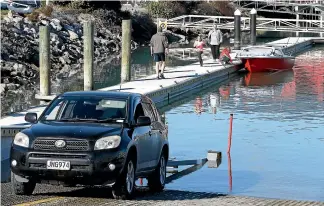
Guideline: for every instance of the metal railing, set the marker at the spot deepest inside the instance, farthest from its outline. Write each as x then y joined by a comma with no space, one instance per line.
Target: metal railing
265,24
309,7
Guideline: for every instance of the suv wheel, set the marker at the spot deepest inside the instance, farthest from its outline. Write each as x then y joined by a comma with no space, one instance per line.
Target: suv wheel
156,181
125,185
22,188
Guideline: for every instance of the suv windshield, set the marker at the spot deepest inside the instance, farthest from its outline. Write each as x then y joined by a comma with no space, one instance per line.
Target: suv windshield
96,109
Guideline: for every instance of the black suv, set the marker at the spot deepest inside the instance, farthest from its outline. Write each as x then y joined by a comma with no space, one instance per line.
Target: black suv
92,138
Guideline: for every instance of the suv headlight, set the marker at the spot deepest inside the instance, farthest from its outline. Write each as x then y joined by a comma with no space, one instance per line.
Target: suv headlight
21,140
107,142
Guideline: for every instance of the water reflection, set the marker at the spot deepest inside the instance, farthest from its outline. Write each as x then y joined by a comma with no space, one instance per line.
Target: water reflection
199,106
230,178
265,79
277,133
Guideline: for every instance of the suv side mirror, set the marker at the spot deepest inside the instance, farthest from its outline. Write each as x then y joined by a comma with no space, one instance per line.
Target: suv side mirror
31,117
143,121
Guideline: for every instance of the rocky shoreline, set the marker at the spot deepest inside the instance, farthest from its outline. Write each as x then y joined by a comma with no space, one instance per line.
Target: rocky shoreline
20,47
19,51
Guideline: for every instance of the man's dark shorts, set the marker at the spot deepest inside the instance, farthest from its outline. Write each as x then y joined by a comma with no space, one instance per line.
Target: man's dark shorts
159,57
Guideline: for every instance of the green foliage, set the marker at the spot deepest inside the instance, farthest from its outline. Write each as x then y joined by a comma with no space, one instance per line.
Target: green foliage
89,4
165,9
223,7
169,9
205,8
46,10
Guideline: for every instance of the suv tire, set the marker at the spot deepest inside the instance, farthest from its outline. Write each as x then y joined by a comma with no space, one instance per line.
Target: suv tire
125,184
22,188
156,181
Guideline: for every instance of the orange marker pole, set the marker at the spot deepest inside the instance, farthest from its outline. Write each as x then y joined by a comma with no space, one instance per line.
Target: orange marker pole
230,135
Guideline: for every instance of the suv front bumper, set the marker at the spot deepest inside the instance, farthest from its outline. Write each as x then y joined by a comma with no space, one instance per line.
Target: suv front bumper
86,168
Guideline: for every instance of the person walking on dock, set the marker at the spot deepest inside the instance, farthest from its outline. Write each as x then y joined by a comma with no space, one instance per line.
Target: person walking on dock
215,38
199,44
159,47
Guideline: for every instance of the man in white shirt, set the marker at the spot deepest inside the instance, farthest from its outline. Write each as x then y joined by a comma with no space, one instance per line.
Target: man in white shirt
215,38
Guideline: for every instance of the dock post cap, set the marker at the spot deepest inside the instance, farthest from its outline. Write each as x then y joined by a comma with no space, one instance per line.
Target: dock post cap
213,155
237,12
253,11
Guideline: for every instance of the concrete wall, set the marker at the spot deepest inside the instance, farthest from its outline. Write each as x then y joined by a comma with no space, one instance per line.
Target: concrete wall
173,93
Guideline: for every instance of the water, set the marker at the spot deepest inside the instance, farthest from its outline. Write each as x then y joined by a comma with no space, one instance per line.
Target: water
278,134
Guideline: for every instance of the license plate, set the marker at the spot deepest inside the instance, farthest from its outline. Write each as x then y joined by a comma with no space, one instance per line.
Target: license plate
58,165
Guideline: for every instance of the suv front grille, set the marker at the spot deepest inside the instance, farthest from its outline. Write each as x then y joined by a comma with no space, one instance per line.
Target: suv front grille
71,145
58,156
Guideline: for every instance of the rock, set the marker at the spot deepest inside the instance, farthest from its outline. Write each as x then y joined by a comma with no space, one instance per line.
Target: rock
11,86
66,68
7,19
5,80
73,35
6,69
45,22
59,76
63,34
15,66
3,88
27,21
54,37
72,73
17,19
85,17
33,30
65,60
10,14
56,24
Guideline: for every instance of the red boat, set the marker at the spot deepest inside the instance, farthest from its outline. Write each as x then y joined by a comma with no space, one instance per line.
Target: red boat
265,59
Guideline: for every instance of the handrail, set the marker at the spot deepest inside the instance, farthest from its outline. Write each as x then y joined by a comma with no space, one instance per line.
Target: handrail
242,18
227,22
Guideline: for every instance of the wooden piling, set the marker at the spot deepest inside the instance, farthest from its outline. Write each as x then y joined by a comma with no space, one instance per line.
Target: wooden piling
88,33
237,30
44,61
253,14
126,51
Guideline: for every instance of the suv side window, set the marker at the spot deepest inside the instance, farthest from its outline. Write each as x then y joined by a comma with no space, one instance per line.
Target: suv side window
148,111
138,111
